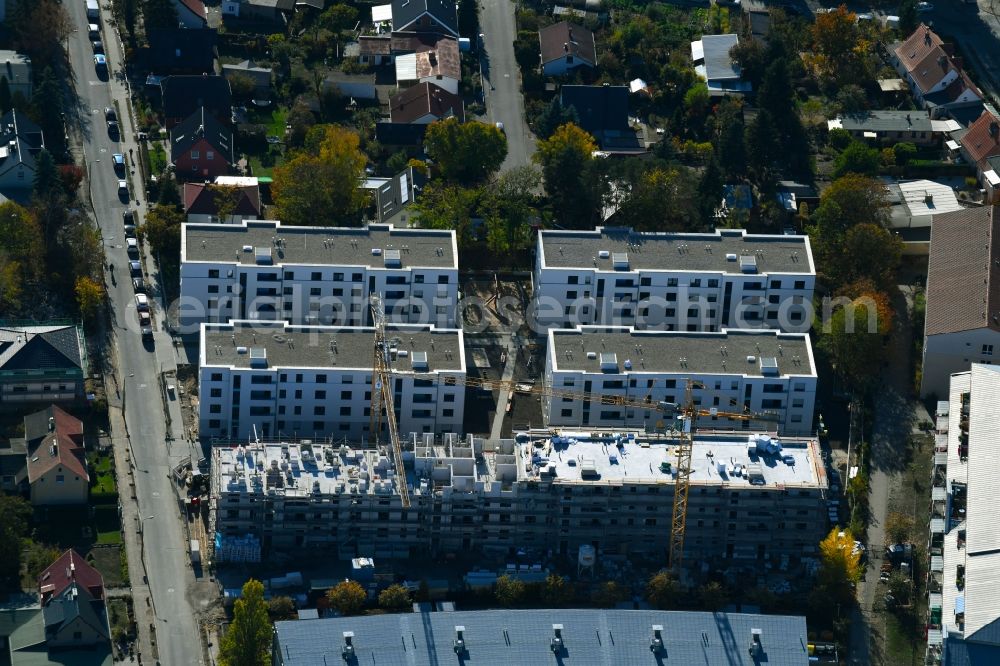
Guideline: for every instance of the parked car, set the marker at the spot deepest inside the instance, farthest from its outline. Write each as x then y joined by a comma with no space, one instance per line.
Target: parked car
94,30
128,217
145,324
123,189
923,7
118,160
132,246
98,46
135,268
100,62
142,302
129,231
139,285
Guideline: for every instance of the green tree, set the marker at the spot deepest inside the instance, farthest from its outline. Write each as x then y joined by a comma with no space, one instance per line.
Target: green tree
448,206
509,591
468,18
851,338
465,153
712,596
662,590
777,97
857,158
840,51
338,17
241,86
281,608
851,200
729,138
710,190
564,158
556,591
898,526
553,116
40,29
763,144
321,186
14,516
909,19
696,99
247,641
394,598
608,594
663,198
48,183
89,297
508,210
903,152
225,197
5,100
347,596
868,252
23,241
47,109
162,230
159,14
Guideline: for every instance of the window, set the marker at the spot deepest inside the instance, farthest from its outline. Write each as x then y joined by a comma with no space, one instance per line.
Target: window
316,275
448,412
345,411
209,155
418,279
449,397
215,409
696,282
338,277
319,410
671,282
987,350
314,291
567,413
356,277
320,395
321,379
775,284
216,377
442,279
645,281
195,154
800,284
213,273
570,294
573,279
713,283
298,394
215,393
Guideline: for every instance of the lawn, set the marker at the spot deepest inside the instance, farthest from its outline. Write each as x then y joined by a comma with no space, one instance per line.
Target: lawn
107,526
119,618
104,472
108,560
257,164
157,158
274,119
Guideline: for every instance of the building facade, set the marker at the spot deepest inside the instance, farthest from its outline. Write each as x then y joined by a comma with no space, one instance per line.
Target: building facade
42,363
613,493
673,282
271,379
734,370
316,275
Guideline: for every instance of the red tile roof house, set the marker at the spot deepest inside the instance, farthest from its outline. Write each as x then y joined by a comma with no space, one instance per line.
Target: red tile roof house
72,597
200,203
201,147
981,147
935,75
191,13
57,467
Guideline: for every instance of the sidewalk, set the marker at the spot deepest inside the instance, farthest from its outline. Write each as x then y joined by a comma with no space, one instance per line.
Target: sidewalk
141,598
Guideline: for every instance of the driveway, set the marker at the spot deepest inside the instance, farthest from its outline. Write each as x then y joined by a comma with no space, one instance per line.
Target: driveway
154,446
502,80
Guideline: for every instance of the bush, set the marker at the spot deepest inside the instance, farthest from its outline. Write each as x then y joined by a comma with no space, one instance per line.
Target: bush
904,152
839,138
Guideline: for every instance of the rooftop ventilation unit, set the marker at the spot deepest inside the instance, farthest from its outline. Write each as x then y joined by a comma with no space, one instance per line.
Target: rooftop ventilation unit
768,366
459,646
756,649
262,255
748,263
419,360
656,643
620,261
248,248
376,252
556,645
258,357
609,362
730,257
592,355
393,259
604,254
348,650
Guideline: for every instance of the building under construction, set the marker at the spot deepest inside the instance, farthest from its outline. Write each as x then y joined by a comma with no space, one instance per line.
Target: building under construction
752,497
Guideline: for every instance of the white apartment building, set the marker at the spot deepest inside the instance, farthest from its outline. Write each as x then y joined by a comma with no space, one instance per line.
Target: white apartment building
613,492
261,269
738,370
964,543
672,281
273,379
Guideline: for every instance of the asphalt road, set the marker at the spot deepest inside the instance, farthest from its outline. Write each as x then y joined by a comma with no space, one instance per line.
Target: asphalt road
139,366
502,80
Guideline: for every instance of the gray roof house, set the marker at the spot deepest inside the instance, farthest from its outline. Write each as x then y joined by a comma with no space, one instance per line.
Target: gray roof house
584,637
44,363
261,76
395,196
17,68
20,142
716,67
425,16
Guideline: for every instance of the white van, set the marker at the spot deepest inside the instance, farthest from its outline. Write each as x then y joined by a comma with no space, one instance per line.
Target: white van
93,11
142,302
94,31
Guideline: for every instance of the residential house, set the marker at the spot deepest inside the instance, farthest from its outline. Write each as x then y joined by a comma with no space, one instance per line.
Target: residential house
16,68
317,275
424,103
640,637
23,640
261,77
328,370
758,24
182,51
440,16
73,601
762,370
440,65
934,74
57,461
43,363
191,13
978,145
566,46
716,67
892,126
791,195
963,606
962,320
201,204
201,146
20,142
183,95
673,281
603,113
395,197
272,11
914,203
384,48
352,86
